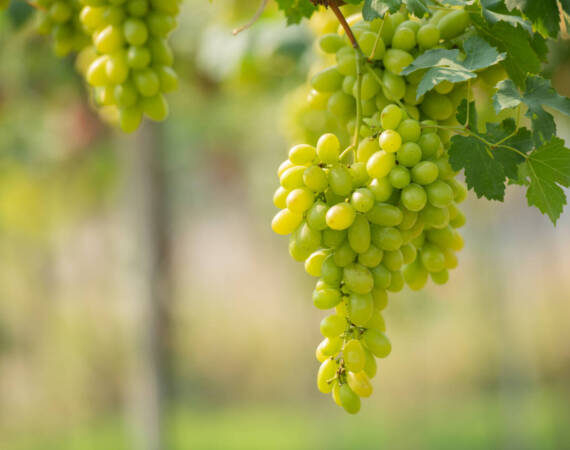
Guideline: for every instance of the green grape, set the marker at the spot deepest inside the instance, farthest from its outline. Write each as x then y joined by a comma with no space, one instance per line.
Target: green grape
130,119
346,62
425,172
437,106
409,130
414,197
316,215
315,179
160,51
333,326
371,257
430,143
340,180
109,39
377,342
441,277
450,257
380,297
331,43
96,73
435,217
327,370
362,200
344,255
135,31
300,200
292,178
341,105
409,219
382,277
410,154
138,57
354,356
328,148
442,237
370,366
404,38
446,172
116,68
326,298
386,215
331,346
410,97
391,117
428,36
334,238
380,164
348,84
369,88
444,87
397,283
415,275
358,174
302,154
394,86
376,321
360,308
439,194
348,399
371,46
359,383
327,80
155,108
285,222
307,238
453,24
386,238
399,177
314,262
359,234
393,260
395,60
146,82
331,273
358,278
381,188
432,258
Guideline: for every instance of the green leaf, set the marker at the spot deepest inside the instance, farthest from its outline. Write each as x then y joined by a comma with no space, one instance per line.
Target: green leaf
483,173
418,8
521,140
539,92
373,9
296,10
565,5
549,167
448,64
494,11
544,14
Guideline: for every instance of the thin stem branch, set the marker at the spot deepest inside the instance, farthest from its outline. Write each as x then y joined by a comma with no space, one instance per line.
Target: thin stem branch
359,61
381,83
340,16
378,37
254,19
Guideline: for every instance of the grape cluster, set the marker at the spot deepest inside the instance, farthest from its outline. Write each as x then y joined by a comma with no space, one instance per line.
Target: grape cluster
130,63
387,217
60,18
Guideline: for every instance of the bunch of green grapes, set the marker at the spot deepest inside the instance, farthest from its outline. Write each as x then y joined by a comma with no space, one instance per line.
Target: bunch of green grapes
60,18
131,61
388,216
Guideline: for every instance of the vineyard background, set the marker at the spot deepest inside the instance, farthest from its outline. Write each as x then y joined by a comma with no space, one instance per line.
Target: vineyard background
482,362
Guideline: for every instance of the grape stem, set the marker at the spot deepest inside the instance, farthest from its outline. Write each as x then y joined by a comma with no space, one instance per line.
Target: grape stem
381,83
359,60
254,19
377,41
340,16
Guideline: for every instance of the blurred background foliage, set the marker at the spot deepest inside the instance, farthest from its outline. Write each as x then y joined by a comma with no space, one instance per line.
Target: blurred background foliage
483,362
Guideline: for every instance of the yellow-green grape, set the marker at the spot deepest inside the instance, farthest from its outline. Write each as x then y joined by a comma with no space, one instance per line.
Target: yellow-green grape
133,58
354,356
360,308
326,373
359,383
340,216
348,399
377,342
285,221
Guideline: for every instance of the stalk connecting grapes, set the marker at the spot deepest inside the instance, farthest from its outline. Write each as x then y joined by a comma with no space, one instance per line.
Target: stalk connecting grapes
382,213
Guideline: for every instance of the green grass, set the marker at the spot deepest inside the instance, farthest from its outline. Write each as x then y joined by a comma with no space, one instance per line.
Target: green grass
533,422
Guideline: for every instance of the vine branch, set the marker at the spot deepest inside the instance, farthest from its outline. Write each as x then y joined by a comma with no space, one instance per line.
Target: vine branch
254,19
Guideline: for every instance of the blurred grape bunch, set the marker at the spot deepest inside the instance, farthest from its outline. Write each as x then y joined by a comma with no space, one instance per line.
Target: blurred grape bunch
60,19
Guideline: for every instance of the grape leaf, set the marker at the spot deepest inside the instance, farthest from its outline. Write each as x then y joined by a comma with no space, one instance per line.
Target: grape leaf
494,11
373,9
548,167
295,10
418,8
544,14
565,5
489,158
539,92
448,65
516,43
483,173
